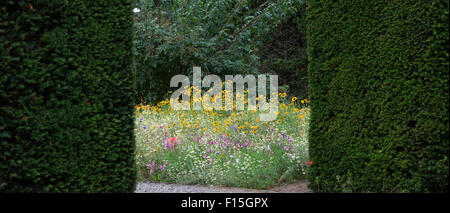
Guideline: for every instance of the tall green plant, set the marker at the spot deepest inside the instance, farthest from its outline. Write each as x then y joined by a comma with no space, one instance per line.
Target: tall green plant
379,74
66,94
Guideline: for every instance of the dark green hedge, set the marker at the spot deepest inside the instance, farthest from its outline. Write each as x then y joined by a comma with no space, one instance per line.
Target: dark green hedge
379,88
66,94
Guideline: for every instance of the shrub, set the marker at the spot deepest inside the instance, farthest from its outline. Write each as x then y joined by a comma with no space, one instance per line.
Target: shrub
66,96
379,88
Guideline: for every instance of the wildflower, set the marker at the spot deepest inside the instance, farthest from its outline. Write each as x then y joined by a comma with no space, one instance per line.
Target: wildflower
294,99
172,143
171,140
310,162
151,166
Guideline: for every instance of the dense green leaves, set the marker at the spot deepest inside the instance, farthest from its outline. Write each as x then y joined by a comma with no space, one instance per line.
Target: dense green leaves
379,87
66,96
221,36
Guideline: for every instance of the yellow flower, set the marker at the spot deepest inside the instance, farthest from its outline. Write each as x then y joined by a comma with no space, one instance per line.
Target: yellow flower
257,120
295,109
294,99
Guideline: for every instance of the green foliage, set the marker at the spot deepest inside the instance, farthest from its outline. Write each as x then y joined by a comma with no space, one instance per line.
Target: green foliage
283,53
66,96
379,89
220,36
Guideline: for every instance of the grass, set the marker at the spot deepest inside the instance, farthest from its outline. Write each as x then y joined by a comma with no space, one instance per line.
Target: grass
223,148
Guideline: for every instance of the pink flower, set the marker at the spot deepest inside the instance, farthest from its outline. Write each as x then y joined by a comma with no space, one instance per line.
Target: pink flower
172,143
310,162
171,140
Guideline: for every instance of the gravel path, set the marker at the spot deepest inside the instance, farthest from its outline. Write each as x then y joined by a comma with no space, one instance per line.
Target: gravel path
150,187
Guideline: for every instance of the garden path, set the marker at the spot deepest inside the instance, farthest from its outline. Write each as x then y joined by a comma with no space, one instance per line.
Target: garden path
299,186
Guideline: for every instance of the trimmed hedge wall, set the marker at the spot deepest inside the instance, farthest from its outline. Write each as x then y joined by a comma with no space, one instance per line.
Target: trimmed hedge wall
379,88
66,96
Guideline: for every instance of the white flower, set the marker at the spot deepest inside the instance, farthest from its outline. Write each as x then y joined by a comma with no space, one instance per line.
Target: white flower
136,10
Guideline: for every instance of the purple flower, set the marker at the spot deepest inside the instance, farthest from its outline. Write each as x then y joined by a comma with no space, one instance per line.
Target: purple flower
145,127
151,166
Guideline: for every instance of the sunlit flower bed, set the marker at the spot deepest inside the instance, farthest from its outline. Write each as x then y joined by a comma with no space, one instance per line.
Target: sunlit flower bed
226,148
